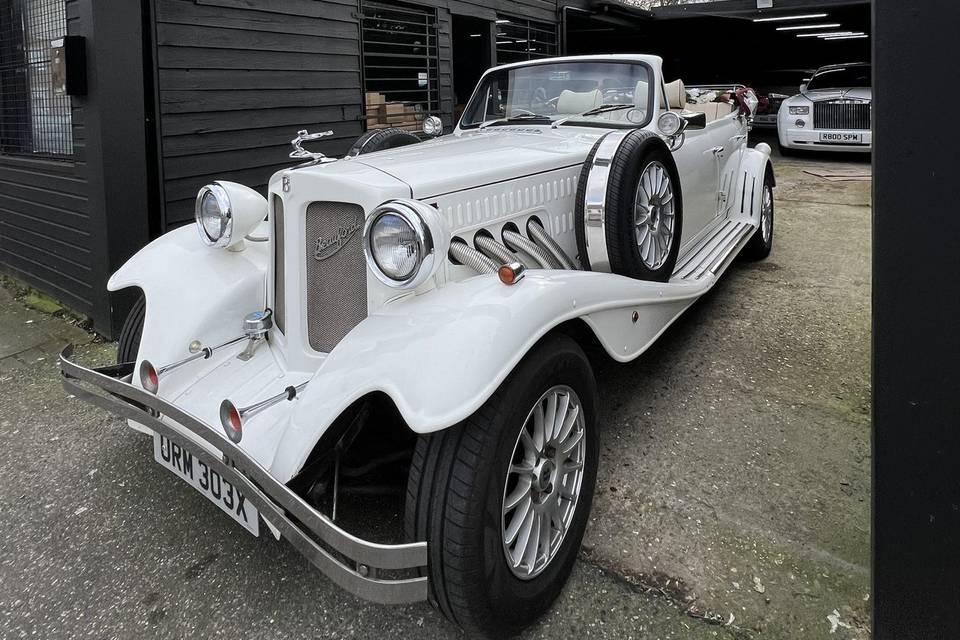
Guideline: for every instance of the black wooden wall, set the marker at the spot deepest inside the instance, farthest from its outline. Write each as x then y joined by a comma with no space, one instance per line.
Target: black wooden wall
236,79
45,225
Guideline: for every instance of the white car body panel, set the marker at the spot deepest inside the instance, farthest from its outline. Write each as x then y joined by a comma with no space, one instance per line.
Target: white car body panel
438,352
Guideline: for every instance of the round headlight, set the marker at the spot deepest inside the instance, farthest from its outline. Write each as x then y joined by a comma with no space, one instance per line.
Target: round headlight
213,214
400,241
395,247
669,123
432,126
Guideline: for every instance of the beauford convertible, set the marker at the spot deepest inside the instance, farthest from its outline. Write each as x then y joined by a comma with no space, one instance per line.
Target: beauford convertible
430,304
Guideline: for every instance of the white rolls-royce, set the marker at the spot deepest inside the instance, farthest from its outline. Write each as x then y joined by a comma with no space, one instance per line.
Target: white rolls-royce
832,112
426,307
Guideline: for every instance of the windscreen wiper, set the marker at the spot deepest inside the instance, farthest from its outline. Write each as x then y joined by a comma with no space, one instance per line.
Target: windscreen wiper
592,112
523,117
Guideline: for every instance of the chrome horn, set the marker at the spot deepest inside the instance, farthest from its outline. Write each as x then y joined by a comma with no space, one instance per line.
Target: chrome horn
232,417
150,375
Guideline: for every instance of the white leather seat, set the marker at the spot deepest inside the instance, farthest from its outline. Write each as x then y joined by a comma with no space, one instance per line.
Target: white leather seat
676,95
713,110
577,101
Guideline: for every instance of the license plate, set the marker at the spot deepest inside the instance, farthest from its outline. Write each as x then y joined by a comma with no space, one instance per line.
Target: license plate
842,138
207,481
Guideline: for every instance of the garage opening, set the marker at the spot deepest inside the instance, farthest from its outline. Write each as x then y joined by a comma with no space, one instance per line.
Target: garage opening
471,56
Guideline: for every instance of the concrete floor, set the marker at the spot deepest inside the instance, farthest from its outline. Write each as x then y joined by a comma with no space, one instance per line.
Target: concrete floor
734,484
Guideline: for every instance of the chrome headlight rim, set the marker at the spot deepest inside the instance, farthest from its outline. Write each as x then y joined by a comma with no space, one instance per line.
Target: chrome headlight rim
410,211
226,215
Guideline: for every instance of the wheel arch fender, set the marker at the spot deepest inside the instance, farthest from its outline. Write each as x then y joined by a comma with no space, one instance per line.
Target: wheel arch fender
192,291
440,355
755,165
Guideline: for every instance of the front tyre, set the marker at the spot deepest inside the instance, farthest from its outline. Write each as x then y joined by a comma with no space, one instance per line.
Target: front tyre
761,243
503,498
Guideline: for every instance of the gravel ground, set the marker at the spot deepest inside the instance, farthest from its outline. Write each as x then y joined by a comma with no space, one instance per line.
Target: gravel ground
734,480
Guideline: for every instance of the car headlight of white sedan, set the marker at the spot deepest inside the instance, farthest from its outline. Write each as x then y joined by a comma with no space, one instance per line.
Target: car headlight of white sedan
226,212
803,110
402,239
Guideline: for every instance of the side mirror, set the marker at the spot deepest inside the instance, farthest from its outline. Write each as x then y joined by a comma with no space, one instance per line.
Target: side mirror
694,120
432,126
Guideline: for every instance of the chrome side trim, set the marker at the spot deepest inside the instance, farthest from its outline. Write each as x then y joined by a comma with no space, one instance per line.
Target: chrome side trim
349,561
595,202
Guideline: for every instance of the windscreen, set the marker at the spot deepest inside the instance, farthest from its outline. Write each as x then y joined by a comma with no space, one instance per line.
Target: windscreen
854,76
545,92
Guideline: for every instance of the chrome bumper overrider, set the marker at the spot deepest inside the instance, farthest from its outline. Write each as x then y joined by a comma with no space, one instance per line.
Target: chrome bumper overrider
388,574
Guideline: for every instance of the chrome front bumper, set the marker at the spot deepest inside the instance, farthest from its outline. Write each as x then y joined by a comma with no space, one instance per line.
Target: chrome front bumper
388,574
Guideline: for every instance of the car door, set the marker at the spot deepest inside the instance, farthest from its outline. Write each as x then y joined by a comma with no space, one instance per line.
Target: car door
731,135
699,180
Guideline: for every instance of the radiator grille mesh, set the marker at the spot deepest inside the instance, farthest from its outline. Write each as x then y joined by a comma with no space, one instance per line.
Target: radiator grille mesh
279,290
841,115
337,282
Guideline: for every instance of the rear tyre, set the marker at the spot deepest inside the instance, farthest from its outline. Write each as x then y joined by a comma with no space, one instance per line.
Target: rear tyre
503,498
380,139
761,243
129,344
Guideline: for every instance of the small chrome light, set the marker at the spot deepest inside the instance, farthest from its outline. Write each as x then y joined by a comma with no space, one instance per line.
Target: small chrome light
149,378
800,123
669,123
512,273
213,215
432,126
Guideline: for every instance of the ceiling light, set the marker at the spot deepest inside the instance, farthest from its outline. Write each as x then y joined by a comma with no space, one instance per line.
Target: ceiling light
801,17
797,27
829,33
475,35
503,22
862,35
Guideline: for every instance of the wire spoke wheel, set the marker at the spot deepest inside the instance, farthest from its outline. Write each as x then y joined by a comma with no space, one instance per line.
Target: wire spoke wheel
766,213
654,215
543,482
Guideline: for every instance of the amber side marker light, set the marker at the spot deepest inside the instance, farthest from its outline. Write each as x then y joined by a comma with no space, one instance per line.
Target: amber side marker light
511,273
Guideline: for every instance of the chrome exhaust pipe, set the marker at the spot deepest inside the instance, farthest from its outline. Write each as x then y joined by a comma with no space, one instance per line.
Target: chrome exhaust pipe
517,242
231,417
546,242
472,258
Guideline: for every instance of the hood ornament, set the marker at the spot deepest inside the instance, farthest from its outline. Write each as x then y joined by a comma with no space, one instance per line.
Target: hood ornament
300,153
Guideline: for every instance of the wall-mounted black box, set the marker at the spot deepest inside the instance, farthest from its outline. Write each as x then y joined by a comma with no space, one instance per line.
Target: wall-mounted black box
68,66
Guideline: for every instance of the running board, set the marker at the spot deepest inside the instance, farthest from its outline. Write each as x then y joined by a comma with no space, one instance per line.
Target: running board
713,255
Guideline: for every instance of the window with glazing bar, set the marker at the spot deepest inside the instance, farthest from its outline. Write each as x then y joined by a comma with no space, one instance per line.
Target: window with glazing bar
519,39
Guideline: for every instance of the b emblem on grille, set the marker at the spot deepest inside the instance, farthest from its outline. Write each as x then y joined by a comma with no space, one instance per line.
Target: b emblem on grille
329,245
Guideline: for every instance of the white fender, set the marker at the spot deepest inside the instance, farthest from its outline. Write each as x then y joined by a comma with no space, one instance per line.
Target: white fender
193,292
440,355
748,191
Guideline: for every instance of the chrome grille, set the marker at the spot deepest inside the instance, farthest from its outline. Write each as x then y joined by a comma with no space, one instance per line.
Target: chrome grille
336,272
279,304
841,114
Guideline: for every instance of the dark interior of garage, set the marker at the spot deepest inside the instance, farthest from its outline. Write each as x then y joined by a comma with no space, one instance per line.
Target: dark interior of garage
730,46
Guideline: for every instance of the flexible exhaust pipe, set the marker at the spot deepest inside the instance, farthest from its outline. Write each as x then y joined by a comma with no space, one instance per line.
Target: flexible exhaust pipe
472,258
494,250
517,242
546,242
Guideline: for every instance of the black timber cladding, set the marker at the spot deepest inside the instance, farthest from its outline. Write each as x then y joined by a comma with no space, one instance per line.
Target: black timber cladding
236,79
45,226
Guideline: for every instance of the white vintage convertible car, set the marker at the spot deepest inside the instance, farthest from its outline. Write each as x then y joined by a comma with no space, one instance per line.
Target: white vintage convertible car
429,304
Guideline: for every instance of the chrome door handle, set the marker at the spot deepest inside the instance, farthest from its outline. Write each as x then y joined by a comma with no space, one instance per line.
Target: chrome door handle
717,151
738,138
